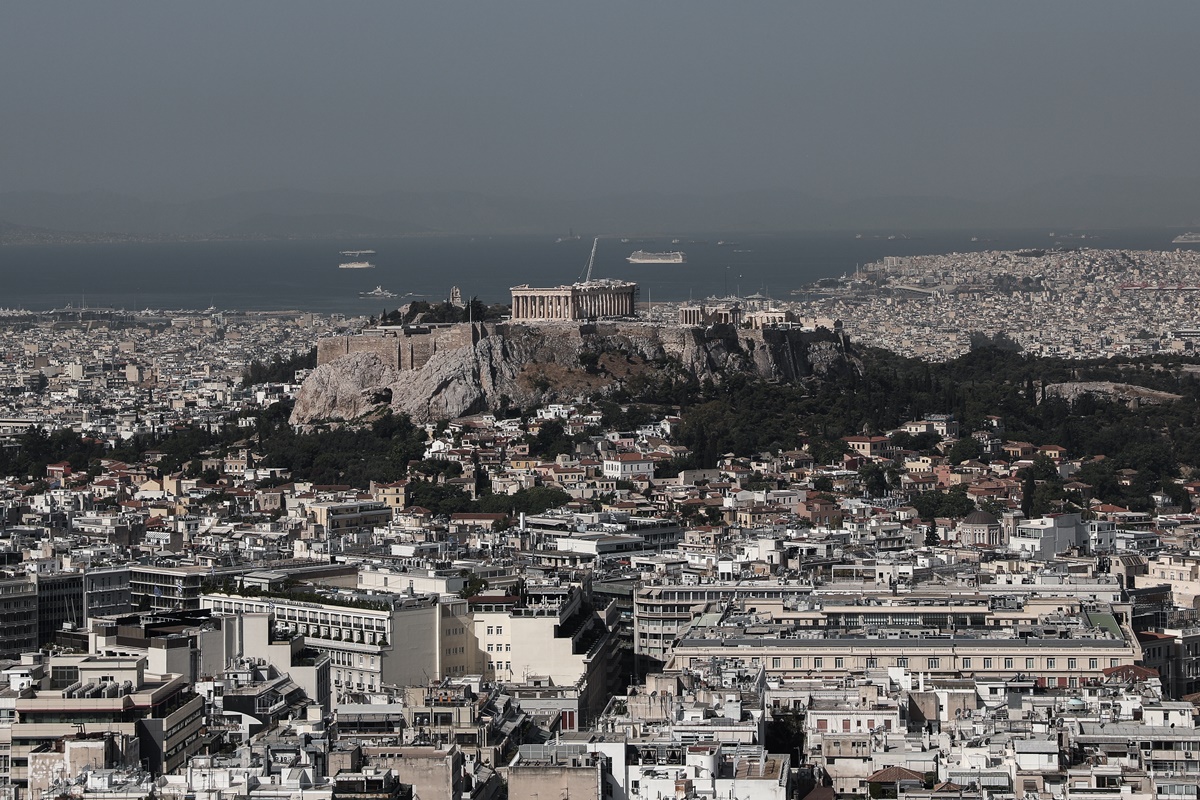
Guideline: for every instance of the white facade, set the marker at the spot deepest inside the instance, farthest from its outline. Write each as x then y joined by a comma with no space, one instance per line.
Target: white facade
627,465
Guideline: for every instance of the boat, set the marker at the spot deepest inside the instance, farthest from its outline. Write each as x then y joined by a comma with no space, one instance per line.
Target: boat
1187,238
357,253
378,291
642,257
356,265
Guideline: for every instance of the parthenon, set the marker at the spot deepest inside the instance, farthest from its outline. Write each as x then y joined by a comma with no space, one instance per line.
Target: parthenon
604,298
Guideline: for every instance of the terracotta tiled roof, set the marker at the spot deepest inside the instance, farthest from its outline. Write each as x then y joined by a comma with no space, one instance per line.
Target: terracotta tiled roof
895,775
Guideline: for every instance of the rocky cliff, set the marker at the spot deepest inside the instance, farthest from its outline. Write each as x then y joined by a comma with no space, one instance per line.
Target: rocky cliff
522,366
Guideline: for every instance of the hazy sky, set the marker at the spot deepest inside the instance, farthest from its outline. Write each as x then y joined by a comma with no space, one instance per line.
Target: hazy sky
841,99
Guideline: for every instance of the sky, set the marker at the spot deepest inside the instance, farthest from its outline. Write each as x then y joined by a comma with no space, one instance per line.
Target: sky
576,99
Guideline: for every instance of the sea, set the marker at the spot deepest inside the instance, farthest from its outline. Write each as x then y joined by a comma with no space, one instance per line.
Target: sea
303,275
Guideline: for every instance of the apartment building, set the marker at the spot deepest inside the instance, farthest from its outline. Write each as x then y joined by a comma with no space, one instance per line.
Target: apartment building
370,640
117,694
552,636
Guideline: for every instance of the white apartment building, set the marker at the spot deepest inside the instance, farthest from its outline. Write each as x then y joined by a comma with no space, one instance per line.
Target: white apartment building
398,641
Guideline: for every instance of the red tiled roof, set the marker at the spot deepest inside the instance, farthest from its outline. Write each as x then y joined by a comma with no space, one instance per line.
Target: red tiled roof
895,775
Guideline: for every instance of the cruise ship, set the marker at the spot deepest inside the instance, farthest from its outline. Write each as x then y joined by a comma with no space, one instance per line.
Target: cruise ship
642,257
1186,238
356,265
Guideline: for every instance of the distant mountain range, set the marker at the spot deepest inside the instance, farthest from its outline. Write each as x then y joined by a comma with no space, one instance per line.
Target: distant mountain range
1090,203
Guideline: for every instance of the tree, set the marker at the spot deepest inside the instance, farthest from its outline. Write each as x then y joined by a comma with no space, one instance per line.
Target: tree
998,341
935,503
874,479
551,441
474,586
965,449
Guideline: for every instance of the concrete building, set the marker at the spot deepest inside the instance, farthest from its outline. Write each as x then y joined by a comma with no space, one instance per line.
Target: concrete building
166,588
106,591
1042,539
559,772
1179,571
339,518
59,601
431,771
18,616
370,640
117,693
551,638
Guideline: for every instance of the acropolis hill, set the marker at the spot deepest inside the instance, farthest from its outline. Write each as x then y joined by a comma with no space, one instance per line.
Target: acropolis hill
443,371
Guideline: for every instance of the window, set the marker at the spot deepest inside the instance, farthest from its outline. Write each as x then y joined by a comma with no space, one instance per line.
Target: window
508,648
1049,663
1093,663
872,663
491,630
499,630
987,663
818,662
776,663
839,663
935,663
489,648
1114,662
797,663
966,662
902,662
1073,682
1072,663
1029,663
1008,663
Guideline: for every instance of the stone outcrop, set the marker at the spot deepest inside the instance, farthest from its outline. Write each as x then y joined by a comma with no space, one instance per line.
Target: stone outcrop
519,365
1124,392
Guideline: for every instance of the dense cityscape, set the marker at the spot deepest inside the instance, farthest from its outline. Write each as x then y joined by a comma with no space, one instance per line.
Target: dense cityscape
959,560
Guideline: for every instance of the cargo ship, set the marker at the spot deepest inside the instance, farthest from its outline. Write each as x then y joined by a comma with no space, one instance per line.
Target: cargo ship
643,257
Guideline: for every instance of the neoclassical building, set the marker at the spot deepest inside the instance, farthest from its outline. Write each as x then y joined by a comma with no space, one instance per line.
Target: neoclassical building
579,301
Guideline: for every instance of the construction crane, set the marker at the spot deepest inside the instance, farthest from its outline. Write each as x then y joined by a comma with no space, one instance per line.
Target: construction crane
591,260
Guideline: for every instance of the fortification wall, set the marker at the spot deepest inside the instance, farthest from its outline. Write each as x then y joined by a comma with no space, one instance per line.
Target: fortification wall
401,349
335,347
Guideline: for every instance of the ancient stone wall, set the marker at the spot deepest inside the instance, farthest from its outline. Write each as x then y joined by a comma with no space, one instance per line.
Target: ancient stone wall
401,348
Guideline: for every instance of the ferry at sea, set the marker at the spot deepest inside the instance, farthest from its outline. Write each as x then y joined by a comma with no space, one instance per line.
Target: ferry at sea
643,257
